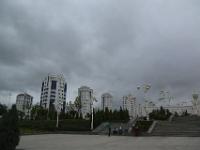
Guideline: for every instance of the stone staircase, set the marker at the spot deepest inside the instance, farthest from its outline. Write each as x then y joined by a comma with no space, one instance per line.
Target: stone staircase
179,126
102,129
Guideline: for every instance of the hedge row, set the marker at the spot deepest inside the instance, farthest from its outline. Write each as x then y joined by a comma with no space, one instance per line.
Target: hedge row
50,125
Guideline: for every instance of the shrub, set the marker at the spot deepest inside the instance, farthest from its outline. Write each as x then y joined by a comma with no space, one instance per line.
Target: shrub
185,113
143,125
160,114
9,131
176,114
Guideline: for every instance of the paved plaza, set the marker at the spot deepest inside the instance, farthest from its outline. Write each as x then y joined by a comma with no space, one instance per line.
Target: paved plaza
97,142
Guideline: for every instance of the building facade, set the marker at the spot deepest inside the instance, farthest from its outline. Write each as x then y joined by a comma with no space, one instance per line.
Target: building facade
86,96
179,108
24,103
53,92
129,103
106,101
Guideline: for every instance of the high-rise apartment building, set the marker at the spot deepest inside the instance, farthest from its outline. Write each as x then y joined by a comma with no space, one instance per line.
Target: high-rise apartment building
24,103
53,92
86,97
106,101
129,103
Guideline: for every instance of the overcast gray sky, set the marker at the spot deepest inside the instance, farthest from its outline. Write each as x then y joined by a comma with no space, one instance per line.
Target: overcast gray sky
110,45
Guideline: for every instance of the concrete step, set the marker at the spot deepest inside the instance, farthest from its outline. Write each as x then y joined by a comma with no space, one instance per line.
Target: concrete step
103,128
180,126
178,130
177,127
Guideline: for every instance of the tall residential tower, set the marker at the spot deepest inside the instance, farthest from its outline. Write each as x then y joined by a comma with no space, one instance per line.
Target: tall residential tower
53,91
86,96
24,103
129,103
106,101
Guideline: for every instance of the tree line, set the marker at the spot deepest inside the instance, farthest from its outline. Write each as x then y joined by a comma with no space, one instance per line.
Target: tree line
110,116
39,113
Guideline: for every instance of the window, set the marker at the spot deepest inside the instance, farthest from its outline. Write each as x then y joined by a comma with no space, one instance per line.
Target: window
53,92
53,84
65,89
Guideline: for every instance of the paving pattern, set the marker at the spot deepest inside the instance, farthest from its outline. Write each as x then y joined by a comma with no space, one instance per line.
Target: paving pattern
101,142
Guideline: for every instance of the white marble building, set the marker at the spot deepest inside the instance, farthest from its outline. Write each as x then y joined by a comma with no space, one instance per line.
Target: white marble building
193,109
179,109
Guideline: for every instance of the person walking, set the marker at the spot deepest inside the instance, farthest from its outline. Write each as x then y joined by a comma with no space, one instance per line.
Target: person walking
109,129
120,130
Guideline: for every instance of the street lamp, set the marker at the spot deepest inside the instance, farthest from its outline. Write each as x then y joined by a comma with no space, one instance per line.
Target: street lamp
195,97
58,106
93,99
145,88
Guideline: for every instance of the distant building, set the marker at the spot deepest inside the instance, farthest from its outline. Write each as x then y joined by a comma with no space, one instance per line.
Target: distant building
24,103
86,96
129,103
53,91
106,101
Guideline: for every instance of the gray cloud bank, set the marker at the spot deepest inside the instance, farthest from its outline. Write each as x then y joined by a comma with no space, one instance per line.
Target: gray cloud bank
109,45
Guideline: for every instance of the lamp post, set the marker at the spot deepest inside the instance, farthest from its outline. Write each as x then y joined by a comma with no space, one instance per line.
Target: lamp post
140,110
145,88
165,97
195,97
93,99
58,105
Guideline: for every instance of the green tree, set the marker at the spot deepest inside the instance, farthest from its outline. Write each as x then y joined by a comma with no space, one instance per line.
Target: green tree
78,106
121,114
52,113
21,115
3,109
34,112
160,114
9,130
107,115
38,113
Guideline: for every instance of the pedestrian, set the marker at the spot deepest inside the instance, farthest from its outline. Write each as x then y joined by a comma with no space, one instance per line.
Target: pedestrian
109,129
120,130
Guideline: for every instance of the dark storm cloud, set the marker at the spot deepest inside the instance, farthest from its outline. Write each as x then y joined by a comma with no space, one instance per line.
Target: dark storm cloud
38,46
109,45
